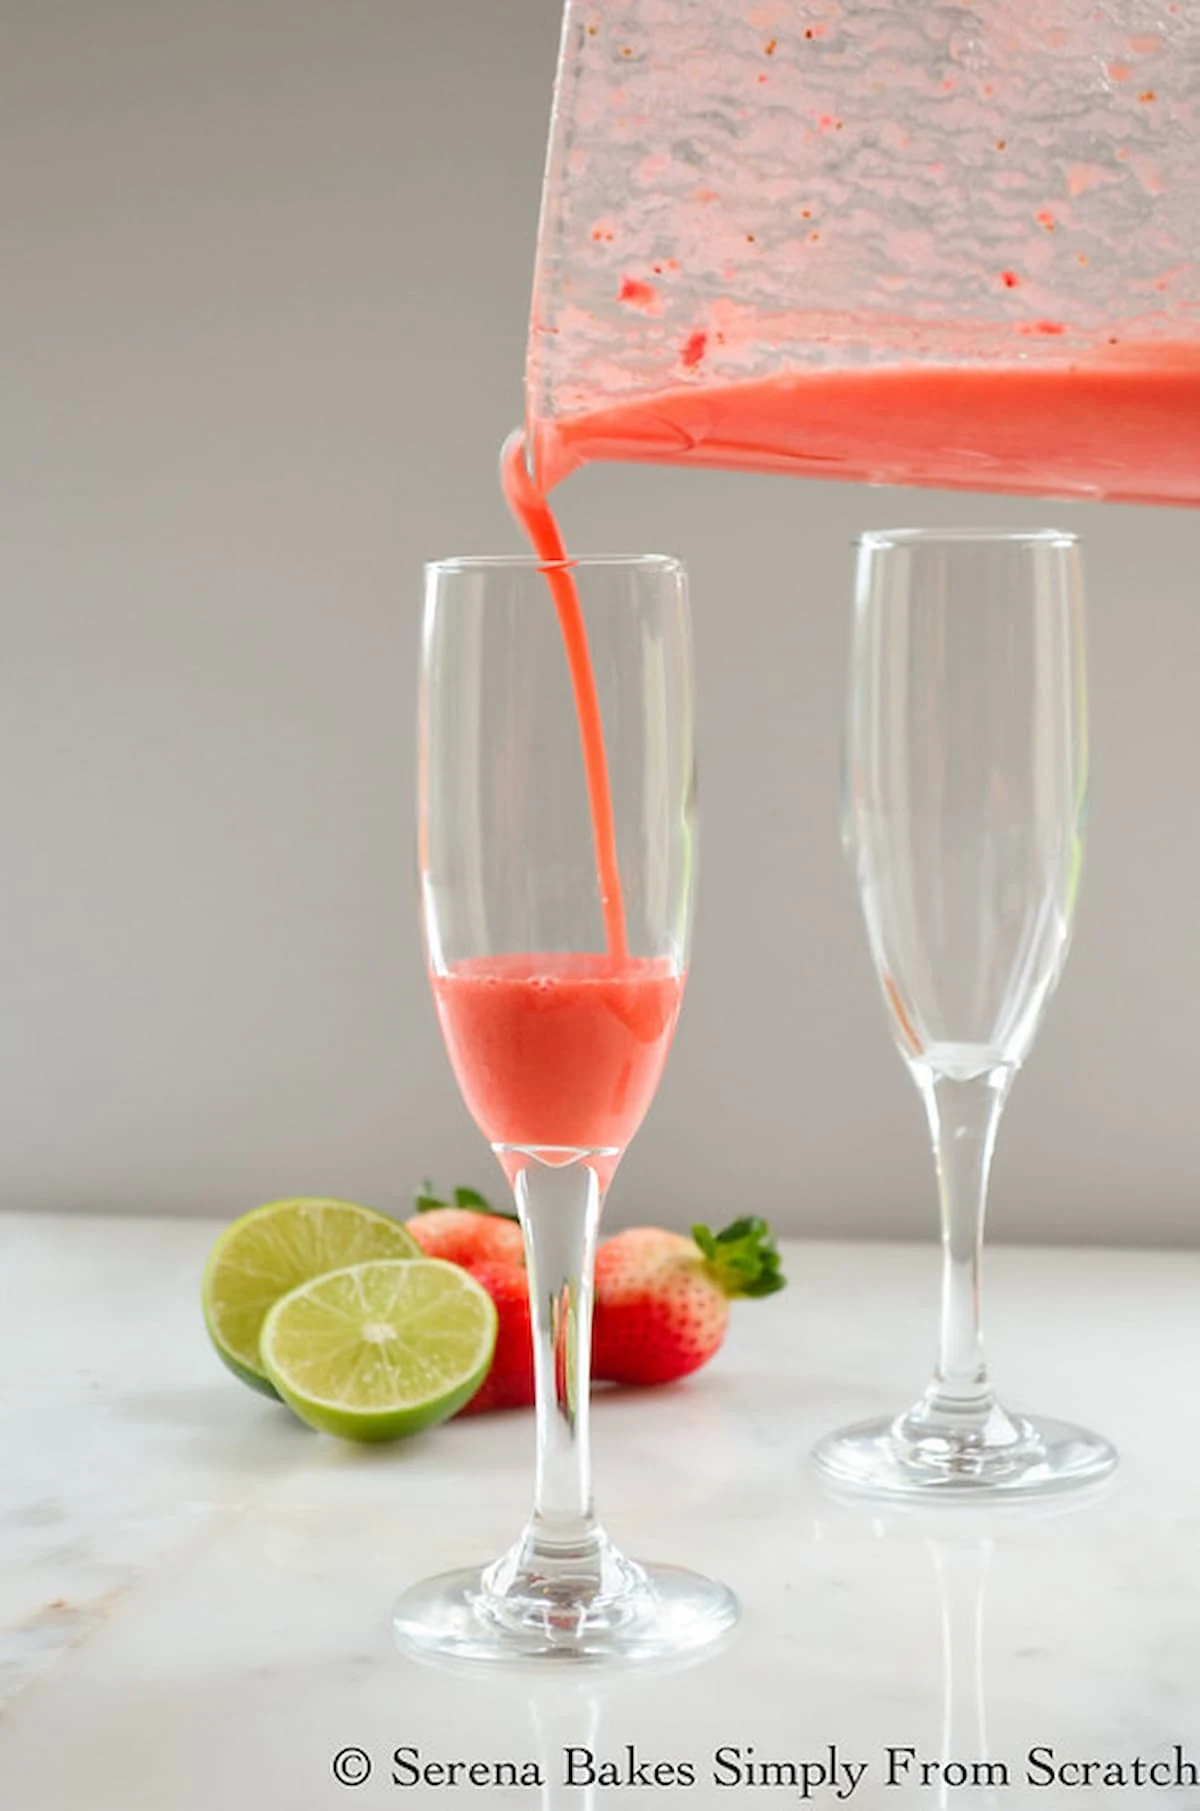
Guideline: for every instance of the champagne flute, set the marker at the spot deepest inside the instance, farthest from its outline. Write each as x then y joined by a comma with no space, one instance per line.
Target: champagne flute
557,864
965,793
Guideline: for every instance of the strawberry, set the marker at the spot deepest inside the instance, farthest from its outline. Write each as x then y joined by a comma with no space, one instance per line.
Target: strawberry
509,1383
472,1234
469,1233
463,1237
662,1300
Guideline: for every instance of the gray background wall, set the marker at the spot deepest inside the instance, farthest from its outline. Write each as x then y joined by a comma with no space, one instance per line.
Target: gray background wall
265,275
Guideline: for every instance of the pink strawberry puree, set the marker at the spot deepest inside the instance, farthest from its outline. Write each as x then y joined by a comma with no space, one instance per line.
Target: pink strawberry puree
1121,423
558,1049
568,1050
533,513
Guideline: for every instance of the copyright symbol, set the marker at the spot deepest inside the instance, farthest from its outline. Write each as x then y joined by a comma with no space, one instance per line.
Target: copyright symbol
351,1766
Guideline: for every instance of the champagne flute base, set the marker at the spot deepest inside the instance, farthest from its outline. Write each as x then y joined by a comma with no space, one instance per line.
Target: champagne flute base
894,1459
636,1614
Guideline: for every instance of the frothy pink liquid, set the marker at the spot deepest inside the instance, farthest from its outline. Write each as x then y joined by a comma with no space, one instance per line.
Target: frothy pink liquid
559,1049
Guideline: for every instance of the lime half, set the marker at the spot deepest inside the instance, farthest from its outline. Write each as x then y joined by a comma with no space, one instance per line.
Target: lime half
269,1251
380,1350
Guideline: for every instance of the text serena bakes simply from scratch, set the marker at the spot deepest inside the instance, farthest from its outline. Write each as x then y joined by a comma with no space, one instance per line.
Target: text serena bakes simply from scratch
831,1773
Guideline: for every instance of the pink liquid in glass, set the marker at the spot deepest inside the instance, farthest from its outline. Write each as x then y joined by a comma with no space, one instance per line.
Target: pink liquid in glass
558,1050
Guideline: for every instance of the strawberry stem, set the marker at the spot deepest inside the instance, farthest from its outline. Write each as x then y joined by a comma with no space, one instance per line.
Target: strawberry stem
742,1259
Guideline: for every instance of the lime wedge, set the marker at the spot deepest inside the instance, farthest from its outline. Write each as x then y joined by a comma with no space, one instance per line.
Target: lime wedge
269,1251
380,1350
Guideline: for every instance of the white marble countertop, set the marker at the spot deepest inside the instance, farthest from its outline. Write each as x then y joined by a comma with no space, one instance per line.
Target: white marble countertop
195,1590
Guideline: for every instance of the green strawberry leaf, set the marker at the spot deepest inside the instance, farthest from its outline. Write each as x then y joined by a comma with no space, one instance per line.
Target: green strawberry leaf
426,1202
742,1259
471,1197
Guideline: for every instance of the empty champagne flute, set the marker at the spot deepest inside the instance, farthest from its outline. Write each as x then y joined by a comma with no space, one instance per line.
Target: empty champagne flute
557,834
965,796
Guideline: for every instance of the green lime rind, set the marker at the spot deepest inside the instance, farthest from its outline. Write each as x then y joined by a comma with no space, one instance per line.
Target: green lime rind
381,1350
272,1250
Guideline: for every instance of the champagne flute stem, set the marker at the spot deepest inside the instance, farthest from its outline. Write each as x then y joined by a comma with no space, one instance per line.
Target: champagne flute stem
559,1208
963,1119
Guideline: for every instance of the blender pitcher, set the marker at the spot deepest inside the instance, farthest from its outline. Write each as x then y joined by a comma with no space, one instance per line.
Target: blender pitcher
952,244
